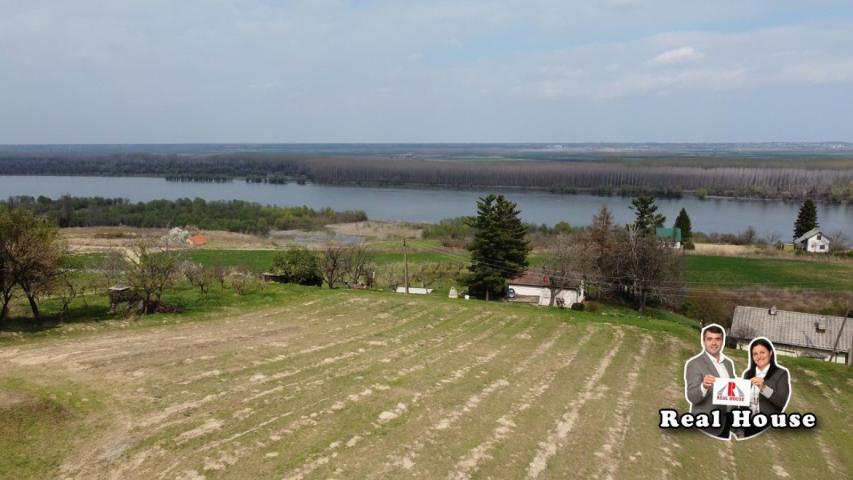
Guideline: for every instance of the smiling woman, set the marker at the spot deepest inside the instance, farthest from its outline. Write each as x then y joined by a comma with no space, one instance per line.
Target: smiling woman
770,383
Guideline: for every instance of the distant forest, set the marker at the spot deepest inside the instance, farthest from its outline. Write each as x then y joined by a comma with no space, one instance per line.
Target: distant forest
234,216
825,179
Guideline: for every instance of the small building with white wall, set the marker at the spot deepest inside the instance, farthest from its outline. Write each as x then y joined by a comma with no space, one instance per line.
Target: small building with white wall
534,287
812,241
670,236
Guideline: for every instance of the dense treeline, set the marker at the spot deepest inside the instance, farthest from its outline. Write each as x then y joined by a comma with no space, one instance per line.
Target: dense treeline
234,216
600,178
139,164
199,178
567,177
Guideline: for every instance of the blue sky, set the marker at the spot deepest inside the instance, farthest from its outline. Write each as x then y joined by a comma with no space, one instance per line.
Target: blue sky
83,71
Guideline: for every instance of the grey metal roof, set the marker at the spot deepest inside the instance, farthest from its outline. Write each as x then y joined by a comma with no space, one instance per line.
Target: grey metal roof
791,328
811,233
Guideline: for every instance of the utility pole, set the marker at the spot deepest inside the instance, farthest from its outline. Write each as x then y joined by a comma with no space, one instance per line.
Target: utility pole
406,265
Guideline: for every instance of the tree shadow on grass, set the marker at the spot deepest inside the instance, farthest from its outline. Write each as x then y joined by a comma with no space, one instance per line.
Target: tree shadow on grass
24,323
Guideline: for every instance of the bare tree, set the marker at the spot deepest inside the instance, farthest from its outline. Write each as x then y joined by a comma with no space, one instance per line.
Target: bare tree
113,267
219,272
334,264
648,267
66,292
239,280
355,264
775,240
564,265
151,272
838,242
198,275
7,280
748,236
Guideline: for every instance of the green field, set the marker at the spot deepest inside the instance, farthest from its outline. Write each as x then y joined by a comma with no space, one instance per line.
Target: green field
363,384
701,270
737,272
260,260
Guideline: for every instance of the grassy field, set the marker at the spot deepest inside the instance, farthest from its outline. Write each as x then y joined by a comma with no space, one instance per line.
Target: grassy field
736,272
726,272
361,384
261,260
701,270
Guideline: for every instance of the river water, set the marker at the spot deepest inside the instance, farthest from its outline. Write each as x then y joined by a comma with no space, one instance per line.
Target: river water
431,205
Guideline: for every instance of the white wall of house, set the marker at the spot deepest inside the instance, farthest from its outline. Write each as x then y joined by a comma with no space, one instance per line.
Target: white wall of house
569,296
528,291
818,244
794,351
415,290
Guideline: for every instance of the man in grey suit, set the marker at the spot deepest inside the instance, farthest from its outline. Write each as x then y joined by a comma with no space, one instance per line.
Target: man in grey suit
700,373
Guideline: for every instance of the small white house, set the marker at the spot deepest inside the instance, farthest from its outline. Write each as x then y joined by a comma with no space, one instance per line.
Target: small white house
533,287
812,241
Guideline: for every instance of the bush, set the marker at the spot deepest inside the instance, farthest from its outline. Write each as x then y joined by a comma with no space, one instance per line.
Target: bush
298,265
240,280
451,232
710,306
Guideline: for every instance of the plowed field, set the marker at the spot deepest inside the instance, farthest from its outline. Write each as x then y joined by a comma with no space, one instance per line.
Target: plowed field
369,385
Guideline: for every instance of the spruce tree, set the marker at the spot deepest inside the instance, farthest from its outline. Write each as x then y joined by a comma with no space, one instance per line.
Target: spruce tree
499,249
682,222
647,217
806,219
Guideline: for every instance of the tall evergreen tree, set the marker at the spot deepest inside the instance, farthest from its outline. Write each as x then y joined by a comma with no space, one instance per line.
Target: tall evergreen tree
499,249
806,219
647,217
682,222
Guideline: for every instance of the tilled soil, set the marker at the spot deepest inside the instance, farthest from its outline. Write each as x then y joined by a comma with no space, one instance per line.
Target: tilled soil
359,385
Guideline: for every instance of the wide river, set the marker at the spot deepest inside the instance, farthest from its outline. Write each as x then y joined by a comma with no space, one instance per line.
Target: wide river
431,205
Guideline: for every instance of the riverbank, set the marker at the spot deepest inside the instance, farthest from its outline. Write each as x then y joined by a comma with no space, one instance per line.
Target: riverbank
433,205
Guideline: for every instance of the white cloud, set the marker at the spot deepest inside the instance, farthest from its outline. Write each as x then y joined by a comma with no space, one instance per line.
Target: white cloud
678,56
381,70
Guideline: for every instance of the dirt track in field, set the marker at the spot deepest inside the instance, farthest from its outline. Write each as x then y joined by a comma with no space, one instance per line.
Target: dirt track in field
371,386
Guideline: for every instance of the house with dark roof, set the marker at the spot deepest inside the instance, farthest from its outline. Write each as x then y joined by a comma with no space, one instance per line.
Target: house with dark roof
534,287
812,241
793,333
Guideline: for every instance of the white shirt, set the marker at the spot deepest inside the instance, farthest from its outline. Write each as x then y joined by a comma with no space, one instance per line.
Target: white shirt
766,391
721,369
